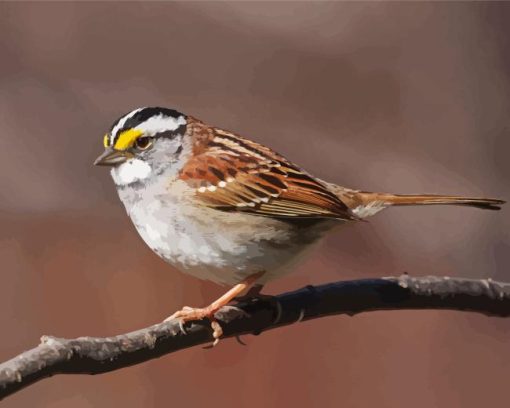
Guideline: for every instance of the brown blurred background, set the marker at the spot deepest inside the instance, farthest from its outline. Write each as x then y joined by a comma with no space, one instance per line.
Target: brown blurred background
380,96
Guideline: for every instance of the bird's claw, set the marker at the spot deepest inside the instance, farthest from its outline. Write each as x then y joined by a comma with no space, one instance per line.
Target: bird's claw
217,331
178,315
189,314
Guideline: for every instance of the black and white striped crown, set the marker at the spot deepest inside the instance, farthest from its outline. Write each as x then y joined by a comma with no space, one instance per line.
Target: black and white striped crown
151,121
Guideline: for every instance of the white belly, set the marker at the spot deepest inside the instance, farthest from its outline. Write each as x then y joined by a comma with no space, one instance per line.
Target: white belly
215,245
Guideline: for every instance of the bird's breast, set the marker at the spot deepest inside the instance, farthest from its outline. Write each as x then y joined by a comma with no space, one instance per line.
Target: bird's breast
210,244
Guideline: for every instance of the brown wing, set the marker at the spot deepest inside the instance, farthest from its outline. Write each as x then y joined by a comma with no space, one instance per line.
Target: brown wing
235,174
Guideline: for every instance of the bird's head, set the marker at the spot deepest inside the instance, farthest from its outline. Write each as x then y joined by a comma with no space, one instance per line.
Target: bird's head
143,143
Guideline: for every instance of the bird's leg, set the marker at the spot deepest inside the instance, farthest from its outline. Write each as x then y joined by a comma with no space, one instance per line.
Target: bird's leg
188,314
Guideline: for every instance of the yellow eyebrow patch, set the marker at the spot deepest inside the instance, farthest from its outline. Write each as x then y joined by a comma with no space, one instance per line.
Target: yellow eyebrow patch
106,140
127,138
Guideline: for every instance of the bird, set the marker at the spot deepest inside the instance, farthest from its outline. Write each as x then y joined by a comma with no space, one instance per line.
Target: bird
224,208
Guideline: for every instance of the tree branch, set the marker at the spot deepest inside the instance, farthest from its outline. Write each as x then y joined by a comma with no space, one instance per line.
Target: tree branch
94,355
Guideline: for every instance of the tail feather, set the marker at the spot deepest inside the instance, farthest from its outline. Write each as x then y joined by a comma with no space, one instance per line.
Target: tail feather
432,199
365,204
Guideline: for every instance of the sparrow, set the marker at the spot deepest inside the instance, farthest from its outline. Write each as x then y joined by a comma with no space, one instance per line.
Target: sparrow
224,208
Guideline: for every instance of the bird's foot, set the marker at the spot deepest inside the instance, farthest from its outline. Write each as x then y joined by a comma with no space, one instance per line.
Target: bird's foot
190,314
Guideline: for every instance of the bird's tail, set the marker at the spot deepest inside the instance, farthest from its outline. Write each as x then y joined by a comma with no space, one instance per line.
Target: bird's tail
366,204
432,199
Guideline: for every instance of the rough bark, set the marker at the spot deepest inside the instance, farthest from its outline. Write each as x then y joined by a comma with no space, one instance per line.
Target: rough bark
94,355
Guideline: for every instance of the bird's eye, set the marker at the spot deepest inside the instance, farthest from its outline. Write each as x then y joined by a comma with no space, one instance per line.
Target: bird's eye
143,143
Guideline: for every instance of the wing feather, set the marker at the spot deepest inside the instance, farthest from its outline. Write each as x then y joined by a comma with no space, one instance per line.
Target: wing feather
236,174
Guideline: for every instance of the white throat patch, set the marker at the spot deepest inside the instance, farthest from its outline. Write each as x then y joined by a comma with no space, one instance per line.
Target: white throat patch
131,171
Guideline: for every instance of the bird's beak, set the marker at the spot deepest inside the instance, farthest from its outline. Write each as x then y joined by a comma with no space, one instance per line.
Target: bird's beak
111,157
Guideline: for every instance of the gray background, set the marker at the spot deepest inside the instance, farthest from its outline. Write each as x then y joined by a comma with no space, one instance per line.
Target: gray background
379,96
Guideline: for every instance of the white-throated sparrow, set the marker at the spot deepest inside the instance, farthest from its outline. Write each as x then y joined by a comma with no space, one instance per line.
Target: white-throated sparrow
224,208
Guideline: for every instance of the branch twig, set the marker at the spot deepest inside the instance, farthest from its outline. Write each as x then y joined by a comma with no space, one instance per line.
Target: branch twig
92,355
